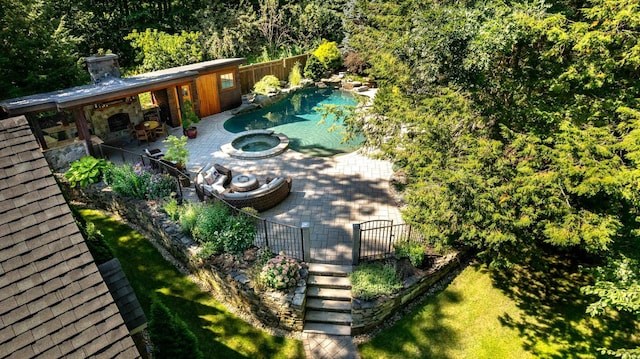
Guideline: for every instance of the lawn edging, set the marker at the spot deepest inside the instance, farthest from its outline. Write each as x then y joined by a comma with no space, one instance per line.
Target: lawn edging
272,308
368,314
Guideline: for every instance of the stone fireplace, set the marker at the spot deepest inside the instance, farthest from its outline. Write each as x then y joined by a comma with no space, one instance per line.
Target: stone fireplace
110,120
118,122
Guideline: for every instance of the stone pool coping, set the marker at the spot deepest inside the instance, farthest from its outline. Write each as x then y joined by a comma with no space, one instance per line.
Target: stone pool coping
238,153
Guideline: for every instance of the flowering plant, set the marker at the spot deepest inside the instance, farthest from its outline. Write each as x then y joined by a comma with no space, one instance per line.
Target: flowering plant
281,272
139,181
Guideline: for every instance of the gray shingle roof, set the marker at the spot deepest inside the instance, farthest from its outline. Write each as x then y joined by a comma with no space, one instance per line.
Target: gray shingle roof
125,298
53,301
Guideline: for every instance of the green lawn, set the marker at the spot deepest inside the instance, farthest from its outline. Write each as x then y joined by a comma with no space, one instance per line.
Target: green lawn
220,333
526,313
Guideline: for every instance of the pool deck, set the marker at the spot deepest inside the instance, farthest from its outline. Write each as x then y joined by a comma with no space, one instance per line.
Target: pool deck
329,193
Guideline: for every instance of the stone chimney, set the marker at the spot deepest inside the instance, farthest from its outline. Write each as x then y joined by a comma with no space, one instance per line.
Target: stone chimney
103,67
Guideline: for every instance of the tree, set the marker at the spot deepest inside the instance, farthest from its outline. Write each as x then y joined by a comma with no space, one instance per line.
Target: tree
170,335
159,50
37,53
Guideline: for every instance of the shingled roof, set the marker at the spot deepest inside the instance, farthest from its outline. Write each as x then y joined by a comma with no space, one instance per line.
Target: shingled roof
125,298
53,301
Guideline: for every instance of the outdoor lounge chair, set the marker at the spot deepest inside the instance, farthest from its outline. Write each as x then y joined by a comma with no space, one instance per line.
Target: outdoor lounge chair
266,196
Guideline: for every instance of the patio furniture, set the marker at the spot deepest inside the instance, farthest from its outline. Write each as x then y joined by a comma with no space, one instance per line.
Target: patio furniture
142,135
244,183
264,197
161,130
211,182
154,154
148,127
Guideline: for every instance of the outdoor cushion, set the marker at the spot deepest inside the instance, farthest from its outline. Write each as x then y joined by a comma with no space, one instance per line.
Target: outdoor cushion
209,178
276,182
238,194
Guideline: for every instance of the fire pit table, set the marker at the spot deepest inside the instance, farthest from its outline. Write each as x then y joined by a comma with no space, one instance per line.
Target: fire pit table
244,183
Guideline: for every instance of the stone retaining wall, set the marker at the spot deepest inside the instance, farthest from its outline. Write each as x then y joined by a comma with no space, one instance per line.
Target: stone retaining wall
273,308
369,314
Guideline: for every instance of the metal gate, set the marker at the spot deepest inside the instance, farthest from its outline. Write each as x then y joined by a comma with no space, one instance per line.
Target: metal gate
375,239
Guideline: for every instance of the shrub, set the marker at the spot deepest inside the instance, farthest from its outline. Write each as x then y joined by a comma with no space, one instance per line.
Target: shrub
412,249
329,55
220,231
170,336
295,76
138,181
255,272
189,216
189,116
176,149
239,234
371,280
314,69
355,64
172,209
281,272
210,222
85,171
267,84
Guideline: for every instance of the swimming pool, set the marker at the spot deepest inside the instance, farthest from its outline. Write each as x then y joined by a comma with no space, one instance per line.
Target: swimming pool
295,117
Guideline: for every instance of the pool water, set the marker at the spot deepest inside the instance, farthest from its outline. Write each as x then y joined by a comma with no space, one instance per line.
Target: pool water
257,147
295,117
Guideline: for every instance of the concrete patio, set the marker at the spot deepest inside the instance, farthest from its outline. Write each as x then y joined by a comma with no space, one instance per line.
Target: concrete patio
329,193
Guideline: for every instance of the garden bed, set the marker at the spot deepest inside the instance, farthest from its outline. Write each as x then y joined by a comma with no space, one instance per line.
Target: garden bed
368,314
225,274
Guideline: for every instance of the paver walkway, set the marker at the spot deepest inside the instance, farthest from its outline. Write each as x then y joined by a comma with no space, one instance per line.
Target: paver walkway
329,193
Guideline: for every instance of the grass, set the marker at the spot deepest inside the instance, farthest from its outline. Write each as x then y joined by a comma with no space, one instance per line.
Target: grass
525,313
220,333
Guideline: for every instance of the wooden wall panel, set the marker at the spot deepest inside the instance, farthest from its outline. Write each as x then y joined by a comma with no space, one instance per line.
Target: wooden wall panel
207,89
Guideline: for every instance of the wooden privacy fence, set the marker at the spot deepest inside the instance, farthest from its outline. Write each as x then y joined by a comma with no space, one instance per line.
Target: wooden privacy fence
251,74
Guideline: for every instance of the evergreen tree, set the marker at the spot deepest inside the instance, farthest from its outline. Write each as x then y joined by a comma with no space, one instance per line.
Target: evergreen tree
170,336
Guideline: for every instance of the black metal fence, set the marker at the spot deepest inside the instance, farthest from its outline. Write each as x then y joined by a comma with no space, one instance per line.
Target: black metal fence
375,239
277,236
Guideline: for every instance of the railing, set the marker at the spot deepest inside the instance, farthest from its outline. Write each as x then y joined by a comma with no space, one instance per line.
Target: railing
277,236
251,74
375,239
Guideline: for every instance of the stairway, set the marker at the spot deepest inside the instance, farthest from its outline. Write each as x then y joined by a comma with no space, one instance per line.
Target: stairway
328,308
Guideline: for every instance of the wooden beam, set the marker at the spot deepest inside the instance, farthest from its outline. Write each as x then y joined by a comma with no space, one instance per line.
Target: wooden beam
83,128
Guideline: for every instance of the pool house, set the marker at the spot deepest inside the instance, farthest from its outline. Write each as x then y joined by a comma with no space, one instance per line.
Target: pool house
76,119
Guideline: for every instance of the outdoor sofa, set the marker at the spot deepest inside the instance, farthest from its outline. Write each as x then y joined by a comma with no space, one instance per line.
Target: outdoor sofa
213,182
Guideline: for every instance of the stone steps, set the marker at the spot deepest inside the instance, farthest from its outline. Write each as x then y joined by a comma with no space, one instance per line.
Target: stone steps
329,281
330,329
322,316
328,306
328,293
334,270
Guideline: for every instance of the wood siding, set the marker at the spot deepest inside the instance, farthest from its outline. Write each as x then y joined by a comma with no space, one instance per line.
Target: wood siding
207,90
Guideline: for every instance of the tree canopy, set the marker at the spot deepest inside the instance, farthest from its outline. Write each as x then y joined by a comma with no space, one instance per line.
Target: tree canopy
516,124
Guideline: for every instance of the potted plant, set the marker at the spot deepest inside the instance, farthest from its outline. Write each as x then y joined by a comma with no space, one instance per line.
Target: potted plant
176,151
189,117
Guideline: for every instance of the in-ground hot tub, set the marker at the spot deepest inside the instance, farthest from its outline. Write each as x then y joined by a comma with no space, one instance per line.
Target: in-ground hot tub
256,144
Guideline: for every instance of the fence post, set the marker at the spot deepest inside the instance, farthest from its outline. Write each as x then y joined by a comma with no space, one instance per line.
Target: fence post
355,252
306,241
266,233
